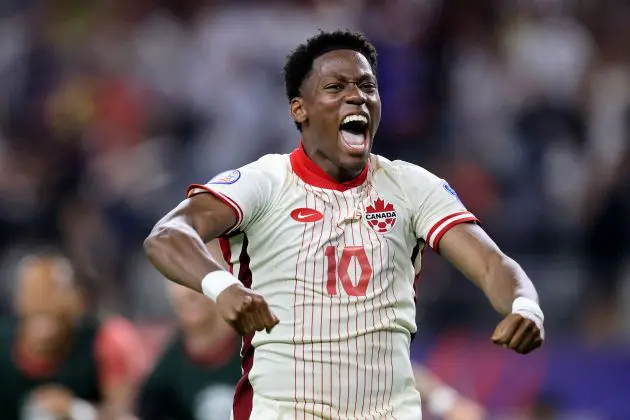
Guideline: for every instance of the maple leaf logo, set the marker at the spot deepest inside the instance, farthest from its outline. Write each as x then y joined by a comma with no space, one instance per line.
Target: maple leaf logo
381,216
379,206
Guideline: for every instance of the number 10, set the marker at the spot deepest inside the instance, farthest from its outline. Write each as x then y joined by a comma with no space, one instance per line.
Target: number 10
341,271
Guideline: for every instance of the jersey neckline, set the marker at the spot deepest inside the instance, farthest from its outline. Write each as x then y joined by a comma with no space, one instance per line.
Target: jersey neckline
309,172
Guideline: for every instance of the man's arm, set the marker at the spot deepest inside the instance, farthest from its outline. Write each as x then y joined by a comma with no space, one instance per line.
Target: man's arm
177,248
503,281
177,243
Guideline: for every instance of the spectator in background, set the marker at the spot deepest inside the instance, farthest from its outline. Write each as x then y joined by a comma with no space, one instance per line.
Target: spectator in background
58,361
196,375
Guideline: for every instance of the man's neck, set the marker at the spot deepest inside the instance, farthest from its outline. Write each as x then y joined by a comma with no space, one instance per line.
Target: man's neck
330,168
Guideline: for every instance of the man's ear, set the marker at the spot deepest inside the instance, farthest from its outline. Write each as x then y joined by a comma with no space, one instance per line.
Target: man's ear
297,110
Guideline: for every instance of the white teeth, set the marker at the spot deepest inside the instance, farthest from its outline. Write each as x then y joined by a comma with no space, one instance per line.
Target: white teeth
350,118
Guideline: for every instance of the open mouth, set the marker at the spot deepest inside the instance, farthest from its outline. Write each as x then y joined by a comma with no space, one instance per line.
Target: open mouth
354,131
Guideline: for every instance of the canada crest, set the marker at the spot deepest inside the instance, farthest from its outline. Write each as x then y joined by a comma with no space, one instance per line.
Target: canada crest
381,216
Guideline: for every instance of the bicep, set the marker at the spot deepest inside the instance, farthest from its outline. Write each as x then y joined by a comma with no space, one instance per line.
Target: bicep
469,249
204,213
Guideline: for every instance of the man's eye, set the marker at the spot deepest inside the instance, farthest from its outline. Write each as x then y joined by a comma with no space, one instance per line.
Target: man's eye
369,87
334,87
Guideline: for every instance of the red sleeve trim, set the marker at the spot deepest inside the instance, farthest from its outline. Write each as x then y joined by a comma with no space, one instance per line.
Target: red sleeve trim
236,209
445,224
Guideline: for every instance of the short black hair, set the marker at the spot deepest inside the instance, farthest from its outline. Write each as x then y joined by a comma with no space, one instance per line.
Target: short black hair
300,62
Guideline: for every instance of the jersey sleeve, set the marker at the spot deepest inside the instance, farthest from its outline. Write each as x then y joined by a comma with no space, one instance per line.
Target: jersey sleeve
248,190
435,206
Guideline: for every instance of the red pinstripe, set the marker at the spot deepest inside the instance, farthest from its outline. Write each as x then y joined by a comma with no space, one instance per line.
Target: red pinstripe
370,232
388,334
345,244
297,263
339,314
380,316
332,225
333,218
365,346
356,317
321,310
312,306
308,251
380,249
392,266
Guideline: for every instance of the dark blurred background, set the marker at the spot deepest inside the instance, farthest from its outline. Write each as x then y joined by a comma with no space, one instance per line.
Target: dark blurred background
110,108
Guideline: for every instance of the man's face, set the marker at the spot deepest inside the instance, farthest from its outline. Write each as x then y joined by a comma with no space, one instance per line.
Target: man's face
340,109
47,303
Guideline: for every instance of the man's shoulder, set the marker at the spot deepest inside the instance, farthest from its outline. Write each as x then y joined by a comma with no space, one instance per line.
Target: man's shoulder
274,166
271,168
271,162
404,172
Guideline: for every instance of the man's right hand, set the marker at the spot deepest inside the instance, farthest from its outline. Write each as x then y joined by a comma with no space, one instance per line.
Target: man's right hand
245,311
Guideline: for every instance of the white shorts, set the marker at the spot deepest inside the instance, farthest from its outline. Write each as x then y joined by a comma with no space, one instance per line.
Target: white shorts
407,408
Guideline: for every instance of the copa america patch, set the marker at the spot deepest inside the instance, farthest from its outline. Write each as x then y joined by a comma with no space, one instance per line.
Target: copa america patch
227,177
450,190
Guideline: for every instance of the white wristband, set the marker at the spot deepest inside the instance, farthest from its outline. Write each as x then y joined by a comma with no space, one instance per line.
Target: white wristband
440,401
217,281
530,310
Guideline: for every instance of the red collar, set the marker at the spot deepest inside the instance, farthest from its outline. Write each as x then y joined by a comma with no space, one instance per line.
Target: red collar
309,172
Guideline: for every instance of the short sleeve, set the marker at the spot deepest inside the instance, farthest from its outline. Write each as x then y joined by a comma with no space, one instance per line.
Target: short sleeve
436,208
247,190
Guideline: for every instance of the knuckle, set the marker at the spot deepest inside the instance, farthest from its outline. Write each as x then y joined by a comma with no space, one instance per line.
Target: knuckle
232,317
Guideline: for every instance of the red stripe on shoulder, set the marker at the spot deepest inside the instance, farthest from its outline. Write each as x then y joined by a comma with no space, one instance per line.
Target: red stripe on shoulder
236,209
449,226
437,224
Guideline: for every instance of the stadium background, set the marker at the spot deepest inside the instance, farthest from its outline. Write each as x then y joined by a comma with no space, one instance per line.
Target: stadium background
110,108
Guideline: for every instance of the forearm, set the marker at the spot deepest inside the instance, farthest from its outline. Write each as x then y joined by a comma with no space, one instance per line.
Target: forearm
505,281
179,253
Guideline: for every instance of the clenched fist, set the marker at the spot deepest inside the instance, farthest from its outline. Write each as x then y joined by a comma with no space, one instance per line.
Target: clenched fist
518,333
246,311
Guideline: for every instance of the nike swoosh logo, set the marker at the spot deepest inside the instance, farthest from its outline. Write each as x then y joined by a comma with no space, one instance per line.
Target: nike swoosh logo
304,216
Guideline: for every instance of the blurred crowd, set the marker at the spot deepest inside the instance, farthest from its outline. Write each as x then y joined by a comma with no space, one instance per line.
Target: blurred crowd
110,108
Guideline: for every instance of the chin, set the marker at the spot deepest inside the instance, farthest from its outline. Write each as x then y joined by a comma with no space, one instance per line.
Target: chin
354,162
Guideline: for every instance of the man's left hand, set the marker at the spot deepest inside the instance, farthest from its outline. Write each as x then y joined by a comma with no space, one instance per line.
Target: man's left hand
518,333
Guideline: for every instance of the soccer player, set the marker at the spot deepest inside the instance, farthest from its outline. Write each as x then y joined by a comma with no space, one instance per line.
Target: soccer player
324,245
57,363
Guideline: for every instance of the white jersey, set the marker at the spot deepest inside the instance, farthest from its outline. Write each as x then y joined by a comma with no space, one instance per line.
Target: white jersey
337,265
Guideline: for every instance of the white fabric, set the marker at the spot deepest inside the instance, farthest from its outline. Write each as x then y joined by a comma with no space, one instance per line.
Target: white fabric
344,292
216,282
